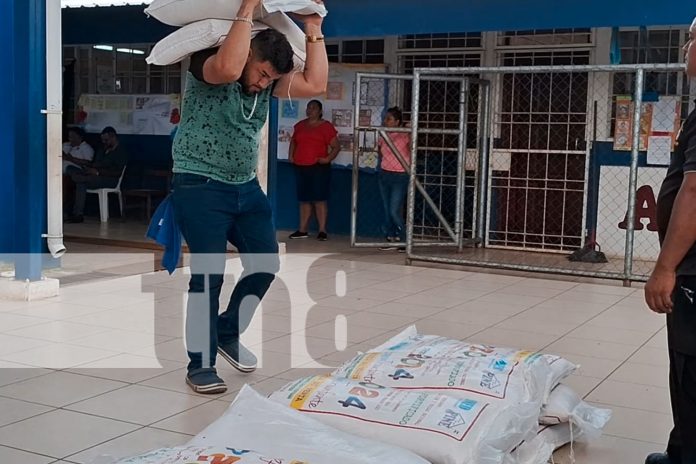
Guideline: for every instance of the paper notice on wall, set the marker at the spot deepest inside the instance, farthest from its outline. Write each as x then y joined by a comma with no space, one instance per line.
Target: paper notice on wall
660,150
339,109
665,112
130,114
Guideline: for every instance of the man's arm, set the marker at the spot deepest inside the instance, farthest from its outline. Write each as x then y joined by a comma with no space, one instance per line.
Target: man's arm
312,81
227,64
680,237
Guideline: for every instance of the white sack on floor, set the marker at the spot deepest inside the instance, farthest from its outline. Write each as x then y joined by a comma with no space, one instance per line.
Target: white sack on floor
565,405
183,12
442,429
257,423
483,379
411,342
549,438
202,454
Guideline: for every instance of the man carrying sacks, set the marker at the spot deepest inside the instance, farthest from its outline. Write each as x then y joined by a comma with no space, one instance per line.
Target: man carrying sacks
216,195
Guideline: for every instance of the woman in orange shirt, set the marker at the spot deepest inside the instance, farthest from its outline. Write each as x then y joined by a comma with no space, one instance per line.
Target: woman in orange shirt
313,147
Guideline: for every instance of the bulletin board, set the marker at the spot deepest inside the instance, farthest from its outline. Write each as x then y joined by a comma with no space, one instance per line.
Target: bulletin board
339,102
659,125
130,114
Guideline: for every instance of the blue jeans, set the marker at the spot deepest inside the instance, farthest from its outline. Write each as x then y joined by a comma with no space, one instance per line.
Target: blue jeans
393,187
210,214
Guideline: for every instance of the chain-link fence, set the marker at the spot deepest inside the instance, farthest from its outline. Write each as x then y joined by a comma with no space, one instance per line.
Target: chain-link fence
569,174
540,168
443,212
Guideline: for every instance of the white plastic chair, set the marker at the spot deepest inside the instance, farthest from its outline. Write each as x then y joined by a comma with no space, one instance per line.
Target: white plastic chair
103,194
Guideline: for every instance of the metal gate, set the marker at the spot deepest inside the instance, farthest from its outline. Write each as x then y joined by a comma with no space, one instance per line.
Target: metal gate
544,187
442,211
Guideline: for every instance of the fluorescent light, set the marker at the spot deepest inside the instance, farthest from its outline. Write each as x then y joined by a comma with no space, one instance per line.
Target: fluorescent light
109,48
131,51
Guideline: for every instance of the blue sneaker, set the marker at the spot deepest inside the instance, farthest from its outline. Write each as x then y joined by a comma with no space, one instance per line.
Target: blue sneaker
238,356
206,381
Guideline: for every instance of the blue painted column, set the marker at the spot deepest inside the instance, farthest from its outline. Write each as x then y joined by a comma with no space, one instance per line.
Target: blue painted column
7,183
28,99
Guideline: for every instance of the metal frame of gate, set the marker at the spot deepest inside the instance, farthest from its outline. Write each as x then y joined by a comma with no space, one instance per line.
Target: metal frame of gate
485,167
455,231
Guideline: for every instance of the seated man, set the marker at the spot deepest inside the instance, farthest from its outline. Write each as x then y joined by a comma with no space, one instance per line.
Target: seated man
76,152
104,172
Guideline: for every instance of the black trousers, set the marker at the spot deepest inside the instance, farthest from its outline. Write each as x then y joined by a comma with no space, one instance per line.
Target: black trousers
682,373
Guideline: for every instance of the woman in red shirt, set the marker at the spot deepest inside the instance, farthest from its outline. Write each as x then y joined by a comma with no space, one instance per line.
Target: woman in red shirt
313,147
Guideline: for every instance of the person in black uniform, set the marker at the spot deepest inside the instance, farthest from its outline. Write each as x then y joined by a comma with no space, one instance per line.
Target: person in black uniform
671,289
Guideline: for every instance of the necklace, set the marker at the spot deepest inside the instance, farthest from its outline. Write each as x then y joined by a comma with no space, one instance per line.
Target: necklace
253,109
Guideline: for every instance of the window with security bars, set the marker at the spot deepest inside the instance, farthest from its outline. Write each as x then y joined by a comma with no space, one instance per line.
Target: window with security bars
368,51
545,38
541,128
649,46
444,41
116,69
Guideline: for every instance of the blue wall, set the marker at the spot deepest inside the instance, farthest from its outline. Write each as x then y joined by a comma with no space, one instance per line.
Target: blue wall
125,24
370,211
349,18
389,17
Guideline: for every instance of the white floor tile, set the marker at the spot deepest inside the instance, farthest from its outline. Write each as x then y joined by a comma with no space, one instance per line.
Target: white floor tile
138,404
592,348
608,450
10,321
127,368
58,331
643,374
630,395
121,341
14,344
65,388
194,420
16,410
10,455
61,433
11,373
58,356
636,424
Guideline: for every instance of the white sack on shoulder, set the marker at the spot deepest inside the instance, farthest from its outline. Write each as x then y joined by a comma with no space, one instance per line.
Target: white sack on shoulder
442,429
258,423
202,35
183,12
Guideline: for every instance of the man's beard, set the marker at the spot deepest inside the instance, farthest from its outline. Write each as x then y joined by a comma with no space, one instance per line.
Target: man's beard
246,88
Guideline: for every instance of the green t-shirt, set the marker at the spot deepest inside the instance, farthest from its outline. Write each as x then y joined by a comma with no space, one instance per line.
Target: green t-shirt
214,138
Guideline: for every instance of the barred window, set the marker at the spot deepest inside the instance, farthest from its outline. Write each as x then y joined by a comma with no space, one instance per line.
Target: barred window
545,38
652,46
117,69
369,51
447,40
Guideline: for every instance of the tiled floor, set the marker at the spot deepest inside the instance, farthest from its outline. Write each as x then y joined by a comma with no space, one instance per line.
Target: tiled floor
100,369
